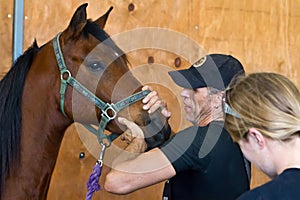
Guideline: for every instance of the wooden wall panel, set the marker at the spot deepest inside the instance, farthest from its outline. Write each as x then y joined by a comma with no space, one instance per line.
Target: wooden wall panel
6,15
264,35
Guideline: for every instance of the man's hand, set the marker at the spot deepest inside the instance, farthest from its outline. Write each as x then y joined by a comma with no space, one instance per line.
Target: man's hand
133,136
133,130
157,129
152,102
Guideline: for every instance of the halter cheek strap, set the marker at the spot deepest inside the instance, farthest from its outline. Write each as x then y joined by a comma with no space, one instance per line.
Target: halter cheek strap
63,70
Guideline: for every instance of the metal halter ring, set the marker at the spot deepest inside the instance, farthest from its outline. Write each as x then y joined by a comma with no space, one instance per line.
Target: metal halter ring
64,72
110,107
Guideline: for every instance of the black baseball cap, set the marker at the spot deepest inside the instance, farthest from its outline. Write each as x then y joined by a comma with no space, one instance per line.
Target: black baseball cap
213,70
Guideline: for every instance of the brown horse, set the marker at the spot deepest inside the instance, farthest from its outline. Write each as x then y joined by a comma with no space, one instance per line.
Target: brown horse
35,109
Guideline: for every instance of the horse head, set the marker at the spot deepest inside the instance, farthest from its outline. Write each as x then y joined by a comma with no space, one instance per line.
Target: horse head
102,68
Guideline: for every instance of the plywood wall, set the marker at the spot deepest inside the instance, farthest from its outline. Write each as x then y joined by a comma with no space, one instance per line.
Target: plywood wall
263,35
6,12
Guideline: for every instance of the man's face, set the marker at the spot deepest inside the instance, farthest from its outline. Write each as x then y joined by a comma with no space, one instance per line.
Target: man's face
196,104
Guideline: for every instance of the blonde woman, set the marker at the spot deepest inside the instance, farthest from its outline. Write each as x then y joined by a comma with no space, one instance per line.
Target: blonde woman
263,116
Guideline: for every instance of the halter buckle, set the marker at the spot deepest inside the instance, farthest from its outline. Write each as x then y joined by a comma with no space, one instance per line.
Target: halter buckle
113,109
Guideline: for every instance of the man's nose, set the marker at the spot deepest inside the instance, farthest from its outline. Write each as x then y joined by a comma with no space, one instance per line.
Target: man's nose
185,94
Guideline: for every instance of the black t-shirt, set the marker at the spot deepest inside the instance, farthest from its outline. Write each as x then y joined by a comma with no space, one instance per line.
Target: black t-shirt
286,186
208,164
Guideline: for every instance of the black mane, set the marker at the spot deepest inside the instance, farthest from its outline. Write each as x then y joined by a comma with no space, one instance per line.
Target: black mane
11,90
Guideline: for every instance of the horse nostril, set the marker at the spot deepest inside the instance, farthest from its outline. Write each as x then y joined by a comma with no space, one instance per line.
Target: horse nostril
81,155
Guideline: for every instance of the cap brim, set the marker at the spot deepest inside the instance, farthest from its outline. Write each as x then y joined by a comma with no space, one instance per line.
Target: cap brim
184,78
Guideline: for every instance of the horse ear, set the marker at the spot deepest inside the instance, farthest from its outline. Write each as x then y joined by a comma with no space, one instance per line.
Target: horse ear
101,21
78,20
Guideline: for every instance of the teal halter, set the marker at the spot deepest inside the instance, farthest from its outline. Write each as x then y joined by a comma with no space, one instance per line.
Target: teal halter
104,107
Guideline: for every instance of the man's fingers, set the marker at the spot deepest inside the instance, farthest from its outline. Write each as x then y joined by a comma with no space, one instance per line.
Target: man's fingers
154,101
166,113
150,96
134,129
126,122
154,107
127,136
147,87
122,121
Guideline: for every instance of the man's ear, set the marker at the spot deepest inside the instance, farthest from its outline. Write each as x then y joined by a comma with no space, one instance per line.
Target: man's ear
257,137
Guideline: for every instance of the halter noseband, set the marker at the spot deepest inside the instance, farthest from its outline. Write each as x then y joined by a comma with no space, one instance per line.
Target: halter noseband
104,107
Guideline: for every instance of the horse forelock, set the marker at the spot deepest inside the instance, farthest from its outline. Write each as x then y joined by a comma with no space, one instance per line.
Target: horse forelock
101,35
11,90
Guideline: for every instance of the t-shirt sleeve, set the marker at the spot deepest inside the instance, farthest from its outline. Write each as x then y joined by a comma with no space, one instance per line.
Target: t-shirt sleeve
183,148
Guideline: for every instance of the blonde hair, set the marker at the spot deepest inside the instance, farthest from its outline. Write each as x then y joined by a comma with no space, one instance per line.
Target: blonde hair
268,102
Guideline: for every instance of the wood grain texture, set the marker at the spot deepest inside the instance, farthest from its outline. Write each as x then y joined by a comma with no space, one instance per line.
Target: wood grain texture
264,35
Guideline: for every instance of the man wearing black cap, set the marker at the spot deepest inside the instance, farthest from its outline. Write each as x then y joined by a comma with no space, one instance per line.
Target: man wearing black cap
199,162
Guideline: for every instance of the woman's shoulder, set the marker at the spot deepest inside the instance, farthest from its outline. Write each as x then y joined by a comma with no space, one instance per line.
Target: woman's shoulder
284,186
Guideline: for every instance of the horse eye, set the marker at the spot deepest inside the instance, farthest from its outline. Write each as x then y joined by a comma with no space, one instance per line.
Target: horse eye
96,66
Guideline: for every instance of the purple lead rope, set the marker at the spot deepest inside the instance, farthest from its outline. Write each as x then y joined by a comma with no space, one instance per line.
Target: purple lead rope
93,182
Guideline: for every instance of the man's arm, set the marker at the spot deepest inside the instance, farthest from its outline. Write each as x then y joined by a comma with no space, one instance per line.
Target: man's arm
133,169
144,170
